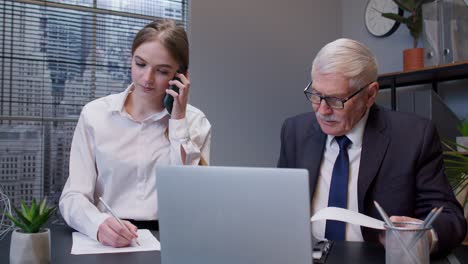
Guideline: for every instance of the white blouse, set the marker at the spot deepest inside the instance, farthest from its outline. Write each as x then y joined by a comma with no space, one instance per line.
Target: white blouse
114,156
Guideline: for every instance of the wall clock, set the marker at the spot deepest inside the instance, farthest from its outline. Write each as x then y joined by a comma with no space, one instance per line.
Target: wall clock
378,25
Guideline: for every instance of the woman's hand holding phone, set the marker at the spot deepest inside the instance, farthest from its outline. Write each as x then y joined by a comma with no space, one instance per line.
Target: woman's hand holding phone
180,99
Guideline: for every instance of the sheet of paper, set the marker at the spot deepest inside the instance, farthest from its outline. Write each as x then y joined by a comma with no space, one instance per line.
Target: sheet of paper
317,254
348,216
85,245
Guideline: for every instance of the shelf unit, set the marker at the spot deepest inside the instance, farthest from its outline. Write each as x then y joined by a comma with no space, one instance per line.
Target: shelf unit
433,75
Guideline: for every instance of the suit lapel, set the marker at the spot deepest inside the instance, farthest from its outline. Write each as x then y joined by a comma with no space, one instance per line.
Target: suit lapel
312,147
374,146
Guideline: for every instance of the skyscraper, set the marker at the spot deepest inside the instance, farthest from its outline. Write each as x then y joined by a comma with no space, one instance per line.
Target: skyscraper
54,60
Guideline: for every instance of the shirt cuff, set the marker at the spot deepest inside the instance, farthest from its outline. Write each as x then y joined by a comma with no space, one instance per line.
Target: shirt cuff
178,129
99,220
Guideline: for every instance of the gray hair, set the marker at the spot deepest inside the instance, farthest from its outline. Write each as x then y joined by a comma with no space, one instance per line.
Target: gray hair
349,58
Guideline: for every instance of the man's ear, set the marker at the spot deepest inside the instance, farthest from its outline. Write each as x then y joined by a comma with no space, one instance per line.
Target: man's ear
372,92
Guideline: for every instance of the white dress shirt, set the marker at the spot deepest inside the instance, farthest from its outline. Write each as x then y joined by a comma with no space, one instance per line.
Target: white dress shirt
322,189
115,157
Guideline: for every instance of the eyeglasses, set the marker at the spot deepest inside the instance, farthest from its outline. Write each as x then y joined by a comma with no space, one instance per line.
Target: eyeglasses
333,102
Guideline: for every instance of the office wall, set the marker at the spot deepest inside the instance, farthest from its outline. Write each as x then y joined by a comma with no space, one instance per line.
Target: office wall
249,63
388,51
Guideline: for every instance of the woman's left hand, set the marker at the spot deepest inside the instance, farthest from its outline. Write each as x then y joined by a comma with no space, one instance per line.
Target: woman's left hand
180,99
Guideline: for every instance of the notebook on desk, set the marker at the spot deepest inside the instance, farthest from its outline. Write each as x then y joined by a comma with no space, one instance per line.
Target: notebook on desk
234,215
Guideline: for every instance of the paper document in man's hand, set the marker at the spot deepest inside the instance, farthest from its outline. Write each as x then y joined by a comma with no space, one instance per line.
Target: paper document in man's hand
348,216
85,245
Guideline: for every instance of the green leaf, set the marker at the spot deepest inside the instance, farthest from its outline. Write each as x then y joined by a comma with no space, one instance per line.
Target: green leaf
34,209
461,187
456,167
396,17
16,222
456,186
465,148
463,129
405,5
42,206
23,218
25,210
413,21
447,144
457,156
33,204
40,221
463,163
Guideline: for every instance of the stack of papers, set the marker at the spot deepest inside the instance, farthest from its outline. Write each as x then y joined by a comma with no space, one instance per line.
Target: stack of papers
85,245
348,216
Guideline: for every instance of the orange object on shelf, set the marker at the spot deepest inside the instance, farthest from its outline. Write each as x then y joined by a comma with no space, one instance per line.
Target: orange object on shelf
413,59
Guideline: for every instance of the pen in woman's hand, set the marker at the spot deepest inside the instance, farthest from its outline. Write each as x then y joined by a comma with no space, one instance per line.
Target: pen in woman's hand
116,218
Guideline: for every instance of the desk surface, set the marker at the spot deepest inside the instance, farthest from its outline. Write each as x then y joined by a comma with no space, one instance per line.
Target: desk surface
341,252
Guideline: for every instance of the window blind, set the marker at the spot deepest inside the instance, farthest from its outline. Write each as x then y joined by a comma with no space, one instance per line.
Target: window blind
55,57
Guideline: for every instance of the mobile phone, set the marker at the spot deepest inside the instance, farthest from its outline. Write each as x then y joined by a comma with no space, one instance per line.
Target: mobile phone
168,99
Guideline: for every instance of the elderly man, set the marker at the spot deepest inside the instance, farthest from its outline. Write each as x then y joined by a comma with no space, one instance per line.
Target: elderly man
357,152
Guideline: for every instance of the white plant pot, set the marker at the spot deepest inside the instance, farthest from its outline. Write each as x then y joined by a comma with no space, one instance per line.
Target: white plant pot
30,248
462,141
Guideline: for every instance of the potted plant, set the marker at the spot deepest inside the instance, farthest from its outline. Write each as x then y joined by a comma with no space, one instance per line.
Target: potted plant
30,242
413,59
463,140
456,168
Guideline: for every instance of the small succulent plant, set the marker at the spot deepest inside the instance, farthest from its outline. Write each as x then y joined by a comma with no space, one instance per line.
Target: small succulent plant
31,219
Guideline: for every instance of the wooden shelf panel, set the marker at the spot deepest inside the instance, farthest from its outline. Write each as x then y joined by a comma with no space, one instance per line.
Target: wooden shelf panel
452,71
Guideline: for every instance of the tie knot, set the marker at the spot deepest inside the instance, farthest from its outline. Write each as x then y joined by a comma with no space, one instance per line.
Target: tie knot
343,142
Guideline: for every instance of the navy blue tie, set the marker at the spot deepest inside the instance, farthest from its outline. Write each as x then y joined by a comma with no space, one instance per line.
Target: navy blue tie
335,230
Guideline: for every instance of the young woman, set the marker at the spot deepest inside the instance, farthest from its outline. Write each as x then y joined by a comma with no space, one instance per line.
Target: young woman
121,138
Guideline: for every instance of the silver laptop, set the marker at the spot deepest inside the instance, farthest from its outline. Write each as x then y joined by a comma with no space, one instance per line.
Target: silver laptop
214,215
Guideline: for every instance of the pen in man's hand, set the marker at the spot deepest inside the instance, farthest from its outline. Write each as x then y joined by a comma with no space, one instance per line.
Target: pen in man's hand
116,218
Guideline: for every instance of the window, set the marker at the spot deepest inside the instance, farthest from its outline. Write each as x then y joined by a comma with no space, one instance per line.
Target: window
56,56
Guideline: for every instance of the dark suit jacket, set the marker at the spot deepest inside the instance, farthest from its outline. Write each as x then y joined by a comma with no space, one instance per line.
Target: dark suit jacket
401,168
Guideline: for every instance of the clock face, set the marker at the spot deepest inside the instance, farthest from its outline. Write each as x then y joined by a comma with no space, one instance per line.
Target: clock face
378,25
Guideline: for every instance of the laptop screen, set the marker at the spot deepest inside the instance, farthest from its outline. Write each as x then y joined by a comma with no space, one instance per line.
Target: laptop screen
234,215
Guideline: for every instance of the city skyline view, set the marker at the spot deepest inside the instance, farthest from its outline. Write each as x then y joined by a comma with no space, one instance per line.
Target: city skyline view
54,60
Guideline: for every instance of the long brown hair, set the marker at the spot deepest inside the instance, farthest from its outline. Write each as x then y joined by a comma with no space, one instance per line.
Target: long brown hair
174,39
